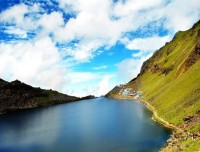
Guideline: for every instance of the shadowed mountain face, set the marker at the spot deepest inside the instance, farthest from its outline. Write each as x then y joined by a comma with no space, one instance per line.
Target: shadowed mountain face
170,82
17,95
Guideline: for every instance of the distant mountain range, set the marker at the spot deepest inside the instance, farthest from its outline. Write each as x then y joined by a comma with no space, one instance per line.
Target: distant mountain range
17,95
170,82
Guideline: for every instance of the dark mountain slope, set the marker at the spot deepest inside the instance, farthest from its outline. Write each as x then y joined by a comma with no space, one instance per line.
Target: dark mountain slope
17,95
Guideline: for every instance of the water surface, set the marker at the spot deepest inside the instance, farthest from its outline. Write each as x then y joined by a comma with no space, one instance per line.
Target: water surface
97,125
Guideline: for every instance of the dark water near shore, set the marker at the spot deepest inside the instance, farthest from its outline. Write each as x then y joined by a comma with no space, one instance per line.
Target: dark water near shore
97,125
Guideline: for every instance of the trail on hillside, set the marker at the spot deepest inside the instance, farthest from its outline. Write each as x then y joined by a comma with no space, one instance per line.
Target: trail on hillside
155,114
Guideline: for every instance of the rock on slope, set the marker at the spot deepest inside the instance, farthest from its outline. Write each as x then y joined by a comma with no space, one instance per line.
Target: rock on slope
170,82
17,95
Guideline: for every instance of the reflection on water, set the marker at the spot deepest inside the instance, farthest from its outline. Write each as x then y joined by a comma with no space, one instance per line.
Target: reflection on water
98,125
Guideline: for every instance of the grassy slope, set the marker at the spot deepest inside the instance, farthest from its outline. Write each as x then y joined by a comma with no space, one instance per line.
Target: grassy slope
176,94
172,94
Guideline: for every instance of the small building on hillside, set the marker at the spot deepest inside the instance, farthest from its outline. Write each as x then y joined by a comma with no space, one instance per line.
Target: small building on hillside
137,96
126,92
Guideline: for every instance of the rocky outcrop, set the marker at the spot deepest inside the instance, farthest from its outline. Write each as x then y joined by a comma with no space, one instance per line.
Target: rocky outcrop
17,95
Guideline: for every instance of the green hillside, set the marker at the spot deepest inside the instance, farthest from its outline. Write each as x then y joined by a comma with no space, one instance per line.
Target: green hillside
170,82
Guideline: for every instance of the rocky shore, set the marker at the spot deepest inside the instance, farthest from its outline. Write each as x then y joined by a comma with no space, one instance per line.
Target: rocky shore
180,138
178,141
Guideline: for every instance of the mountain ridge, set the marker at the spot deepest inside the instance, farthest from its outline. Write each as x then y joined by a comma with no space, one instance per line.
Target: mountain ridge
17,95
170,82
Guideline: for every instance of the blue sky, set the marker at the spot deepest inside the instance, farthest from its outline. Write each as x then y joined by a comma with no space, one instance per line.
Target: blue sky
82,47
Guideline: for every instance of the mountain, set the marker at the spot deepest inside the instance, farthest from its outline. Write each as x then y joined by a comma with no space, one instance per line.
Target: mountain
17,95
169,82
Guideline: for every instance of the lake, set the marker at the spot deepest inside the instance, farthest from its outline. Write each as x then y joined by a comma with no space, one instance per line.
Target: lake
97,125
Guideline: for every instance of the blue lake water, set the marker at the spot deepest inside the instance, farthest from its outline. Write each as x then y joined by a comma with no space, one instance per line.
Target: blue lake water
97,125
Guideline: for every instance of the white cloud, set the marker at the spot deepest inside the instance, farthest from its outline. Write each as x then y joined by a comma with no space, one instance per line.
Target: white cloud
14,14
138,54
129,68
105,22
93,26
104,86
87,5
77,77
88,83
99,85
93,31
134,6
181,14
16,31
147,44
35,62
51,22
101,23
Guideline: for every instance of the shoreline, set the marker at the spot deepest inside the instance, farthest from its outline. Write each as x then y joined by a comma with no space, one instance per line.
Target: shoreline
158,119
178,135
155,115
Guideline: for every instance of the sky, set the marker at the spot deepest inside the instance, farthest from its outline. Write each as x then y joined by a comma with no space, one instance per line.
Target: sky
82,47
